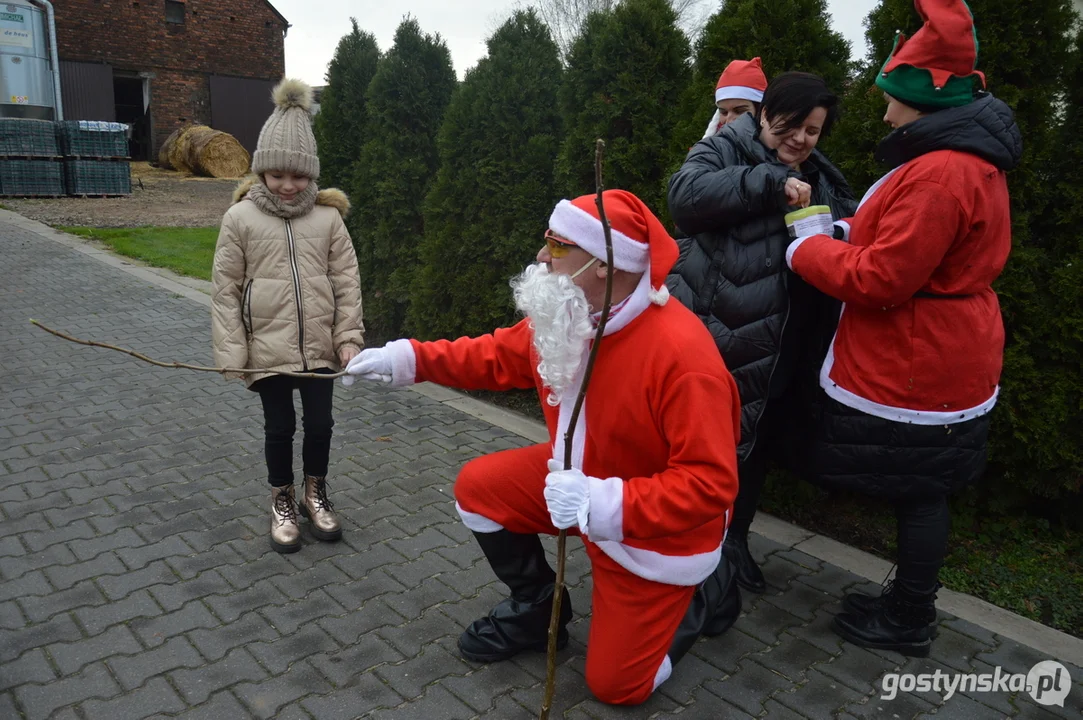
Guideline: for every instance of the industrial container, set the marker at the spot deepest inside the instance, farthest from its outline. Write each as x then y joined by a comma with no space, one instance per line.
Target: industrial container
27,88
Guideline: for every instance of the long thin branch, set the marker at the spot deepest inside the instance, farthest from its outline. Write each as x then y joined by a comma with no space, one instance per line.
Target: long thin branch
562,536
186,366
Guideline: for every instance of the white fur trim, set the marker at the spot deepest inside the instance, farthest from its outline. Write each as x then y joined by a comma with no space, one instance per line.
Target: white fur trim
681,570
712,127
606,509
585,230
403,363
478,523
793,248
738,92
845,229
659,296
664,671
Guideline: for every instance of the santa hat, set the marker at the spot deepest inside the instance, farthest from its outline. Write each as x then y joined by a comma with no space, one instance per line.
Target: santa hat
741,80
640,242
935,68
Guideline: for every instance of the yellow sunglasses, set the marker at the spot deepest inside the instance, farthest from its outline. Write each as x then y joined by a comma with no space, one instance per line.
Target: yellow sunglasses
558,247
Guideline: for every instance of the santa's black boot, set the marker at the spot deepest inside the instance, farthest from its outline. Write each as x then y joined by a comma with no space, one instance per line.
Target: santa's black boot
898,620
521,622
715,606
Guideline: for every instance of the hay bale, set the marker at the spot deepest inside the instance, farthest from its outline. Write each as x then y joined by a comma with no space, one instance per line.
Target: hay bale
178,154
167,147
213,153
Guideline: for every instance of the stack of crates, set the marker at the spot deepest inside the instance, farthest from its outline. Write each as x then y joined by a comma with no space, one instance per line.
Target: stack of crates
96,160
30,162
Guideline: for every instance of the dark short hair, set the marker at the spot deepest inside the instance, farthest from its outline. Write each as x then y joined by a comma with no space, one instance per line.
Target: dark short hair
793,95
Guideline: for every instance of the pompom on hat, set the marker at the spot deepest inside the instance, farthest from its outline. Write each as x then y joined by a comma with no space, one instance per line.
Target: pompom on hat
640,241
286,142
936,68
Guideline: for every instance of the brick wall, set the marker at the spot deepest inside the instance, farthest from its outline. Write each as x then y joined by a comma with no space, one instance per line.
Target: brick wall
241,38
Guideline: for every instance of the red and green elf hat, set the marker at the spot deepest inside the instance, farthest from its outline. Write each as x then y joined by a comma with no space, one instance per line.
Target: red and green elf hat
936,67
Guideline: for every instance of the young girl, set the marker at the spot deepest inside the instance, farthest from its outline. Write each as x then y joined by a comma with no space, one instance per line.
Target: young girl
739,90
287,297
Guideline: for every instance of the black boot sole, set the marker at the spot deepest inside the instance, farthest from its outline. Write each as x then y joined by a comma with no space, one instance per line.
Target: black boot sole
320,534
562,642
918,649
284,549
758,589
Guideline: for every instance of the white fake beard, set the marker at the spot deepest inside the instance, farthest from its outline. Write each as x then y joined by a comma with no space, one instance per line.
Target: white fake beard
560,318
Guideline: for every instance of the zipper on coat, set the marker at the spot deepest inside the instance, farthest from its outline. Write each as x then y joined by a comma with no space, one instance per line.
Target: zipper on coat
297,294
246,308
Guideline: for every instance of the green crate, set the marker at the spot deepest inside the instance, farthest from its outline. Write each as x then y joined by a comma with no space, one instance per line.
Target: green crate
28,138
93,139
98,177
31,178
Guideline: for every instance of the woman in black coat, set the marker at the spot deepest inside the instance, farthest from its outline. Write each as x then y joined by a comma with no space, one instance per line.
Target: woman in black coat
730,197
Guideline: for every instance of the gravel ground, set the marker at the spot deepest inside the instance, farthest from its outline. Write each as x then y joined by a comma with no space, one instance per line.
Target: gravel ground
159,197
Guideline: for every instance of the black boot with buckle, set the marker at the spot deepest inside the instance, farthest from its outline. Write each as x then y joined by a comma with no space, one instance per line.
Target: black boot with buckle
521,622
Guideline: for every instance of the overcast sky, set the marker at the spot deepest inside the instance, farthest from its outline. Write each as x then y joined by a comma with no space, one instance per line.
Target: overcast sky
464,25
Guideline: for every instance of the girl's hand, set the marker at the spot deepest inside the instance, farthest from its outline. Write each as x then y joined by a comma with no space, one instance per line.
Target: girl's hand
798,193
346,354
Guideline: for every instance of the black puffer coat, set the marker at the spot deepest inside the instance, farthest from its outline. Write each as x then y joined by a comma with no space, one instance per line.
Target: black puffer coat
729,197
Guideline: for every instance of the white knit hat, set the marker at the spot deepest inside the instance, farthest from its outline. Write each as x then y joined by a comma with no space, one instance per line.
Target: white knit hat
286,142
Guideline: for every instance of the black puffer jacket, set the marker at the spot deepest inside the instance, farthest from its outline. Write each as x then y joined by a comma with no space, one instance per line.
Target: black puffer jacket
729,198
852,450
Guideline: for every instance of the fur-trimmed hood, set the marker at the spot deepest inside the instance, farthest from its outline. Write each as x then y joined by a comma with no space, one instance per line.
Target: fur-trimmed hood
331,197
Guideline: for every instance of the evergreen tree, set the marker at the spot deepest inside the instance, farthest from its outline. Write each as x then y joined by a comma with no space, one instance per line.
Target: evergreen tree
786,34
406,101
340,124
626,75
487,209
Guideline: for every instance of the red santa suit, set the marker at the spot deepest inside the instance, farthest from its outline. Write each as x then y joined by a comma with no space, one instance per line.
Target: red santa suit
657,437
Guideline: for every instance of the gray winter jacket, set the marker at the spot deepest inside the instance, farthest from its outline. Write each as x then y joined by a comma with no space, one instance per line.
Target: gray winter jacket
729,197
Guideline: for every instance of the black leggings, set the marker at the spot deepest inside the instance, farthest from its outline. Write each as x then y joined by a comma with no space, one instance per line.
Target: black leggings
280,423
923,527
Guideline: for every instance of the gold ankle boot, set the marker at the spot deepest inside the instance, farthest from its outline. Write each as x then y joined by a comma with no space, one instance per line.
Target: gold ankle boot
285,532
316,507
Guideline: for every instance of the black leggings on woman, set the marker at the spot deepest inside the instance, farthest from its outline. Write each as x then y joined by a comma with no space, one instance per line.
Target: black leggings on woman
923,527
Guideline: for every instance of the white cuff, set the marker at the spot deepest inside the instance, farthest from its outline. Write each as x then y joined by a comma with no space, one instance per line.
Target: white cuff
793,248
845,229
403,363
606,509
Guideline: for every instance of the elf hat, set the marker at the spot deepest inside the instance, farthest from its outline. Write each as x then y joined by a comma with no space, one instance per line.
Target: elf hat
640,242
936,67
741,80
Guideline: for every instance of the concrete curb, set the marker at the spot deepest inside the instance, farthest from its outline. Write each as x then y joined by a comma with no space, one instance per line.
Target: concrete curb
1054,643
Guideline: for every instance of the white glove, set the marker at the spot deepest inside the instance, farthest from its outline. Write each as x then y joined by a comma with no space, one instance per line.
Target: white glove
567,495
370,364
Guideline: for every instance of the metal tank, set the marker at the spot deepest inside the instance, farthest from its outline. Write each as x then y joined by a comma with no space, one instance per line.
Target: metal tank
26,79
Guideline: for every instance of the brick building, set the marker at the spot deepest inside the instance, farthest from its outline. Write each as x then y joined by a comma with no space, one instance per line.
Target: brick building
159,64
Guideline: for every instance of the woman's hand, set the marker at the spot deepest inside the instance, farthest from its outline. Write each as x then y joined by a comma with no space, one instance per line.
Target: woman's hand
346,353
798,193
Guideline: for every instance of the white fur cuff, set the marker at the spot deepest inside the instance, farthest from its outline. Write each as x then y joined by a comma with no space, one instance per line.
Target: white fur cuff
606,509
793,248
403,363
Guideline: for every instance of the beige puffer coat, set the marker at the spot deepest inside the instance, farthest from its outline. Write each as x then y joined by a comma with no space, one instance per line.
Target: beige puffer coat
287,295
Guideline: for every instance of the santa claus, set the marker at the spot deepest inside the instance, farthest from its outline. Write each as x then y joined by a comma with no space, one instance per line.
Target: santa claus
653,474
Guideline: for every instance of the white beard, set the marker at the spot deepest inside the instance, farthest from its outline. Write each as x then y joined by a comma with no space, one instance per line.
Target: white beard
560,318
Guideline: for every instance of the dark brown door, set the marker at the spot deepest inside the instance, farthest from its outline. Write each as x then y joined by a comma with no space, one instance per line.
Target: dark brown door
87,91
239,106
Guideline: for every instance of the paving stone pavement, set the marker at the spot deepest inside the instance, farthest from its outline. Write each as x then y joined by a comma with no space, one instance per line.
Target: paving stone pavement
136,579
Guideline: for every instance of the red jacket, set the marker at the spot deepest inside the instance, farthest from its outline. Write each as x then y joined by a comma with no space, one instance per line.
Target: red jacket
920,338
662,418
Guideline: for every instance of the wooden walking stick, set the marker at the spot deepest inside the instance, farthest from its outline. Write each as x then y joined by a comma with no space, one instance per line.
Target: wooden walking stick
186,366
562,536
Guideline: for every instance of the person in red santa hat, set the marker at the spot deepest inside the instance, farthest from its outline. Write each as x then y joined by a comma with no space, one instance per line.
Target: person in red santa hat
654,464
914,367
739,91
